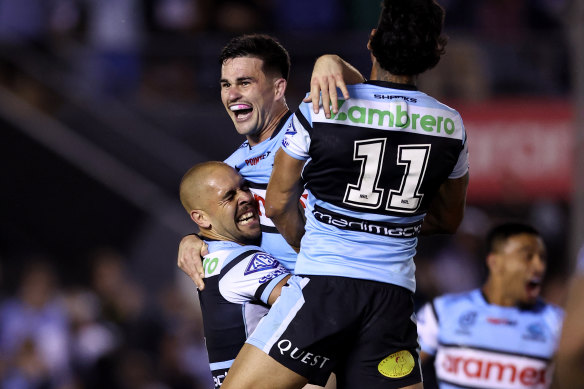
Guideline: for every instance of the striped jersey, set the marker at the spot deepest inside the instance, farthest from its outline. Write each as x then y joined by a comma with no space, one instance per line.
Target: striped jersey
372,170
481,345
238,282
255,165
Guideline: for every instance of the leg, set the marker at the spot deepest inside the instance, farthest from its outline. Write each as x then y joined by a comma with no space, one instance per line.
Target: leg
253,369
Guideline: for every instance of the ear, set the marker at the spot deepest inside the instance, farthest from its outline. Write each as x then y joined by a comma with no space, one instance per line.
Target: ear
492,262
280,88
370,37
201,218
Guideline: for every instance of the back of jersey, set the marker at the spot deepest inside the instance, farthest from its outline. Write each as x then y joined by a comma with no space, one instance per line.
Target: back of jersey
373,170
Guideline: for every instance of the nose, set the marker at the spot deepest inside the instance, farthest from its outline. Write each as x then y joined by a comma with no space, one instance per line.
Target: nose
233,93
245,197
539,264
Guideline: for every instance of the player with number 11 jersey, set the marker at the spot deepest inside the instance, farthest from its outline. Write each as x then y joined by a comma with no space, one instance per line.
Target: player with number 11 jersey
372,170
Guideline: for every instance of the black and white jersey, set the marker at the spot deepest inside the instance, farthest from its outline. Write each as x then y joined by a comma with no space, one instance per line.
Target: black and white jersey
238,281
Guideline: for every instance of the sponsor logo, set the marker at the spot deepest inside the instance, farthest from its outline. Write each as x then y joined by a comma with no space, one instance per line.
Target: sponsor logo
272,275
378,228
397,365
393,97
291,130
255,160
497,371
501,321
535,332
259,262
307,358
394,114
219,377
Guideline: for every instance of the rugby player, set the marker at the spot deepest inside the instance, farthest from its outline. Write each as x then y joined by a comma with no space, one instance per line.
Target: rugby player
390,165
502,335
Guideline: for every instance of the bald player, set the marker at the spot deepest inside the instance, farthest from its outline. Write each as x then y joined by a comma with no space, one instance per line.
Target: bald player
241,279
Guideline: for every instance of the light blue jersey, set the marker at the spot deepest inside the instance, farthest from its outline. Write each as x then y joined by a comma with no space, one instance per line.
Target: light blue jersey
371,172
255,165
480,345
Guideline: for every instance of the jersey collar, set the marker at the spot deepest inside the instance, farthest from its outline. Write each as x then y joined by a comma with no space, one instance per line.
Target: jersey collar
393,85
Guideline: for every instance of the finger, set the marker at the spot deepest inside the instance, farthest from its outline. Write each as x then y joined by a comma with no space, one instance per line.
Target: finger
315,95
204,249
334,98
326,100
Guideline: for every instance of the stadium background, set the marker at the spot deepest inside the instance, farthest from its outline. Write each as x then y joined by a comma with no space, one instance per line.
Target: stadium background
105,104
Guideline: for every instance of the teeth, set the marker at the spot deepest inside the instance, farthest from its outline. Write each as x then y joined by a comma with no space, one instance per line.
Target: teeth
238,107
246,218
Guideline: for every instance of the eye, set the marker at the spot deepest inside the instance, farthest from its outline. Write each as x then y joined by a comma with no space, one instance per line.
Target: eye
225,85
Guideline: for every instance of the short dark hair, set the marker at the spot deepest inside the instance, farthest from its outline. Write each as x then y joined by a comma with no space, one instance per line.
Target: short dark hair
409,38
275,57
502,232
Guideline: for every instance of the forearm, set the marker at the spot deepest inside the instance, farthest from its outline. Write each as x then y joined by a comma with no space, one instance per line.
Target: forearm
283,198
447,209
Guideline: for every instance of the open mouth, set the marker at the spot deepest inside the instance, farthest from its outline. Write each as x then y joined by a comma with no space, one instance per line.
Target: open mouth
533,286
241,111
246,218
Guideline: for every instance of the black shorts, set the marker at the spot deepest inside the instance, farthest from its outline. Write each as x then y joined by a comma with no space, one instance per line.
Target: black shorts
364,331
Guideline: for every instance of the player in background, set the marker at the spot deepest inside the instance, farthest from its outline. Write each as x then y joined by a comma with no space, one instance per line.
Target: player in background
391,164
502,335
569,372
254,74
242,280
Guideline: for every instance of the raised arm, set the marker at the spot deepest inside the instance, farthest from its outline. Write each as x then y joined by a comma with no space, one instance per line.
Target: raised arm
282,205
329,73
190,252
447,209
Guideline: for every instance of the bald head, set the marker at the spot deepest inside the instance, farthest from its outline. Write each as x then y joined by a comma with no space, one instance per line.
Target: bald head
218,200
196,181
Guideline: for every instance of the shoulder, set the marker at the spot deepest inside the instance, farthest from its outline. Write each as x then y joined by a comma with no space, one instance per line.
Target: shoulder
235,158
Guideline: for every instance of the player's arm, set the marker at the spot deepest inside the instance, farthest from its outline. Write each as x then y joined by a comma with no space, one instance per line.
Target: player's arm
284,190
277,290
190,252
446,210
329,73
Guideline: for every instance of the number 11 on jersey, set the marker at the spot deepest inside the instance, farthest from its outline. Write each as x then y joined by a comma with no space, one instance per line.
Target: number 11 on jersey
367,193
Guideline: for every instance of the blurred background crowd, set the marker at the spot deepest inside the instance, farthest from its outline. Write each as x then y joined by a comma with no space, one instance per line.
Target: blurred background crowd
104,104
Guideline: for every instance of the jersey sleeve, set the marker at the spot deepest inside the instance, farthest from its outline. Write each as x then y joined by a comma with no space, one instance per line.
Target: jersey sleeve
461,167
428,329
296,142
252,275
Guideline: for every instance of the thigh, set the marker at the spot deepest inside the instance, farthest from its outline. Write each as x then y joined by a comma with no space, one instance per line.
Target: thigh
385,354
254,369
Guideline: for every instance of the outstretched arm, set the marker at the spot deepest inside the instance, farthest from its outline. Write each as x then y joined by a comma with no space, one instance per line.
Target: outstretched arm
190,252
329,73
447,209
282,205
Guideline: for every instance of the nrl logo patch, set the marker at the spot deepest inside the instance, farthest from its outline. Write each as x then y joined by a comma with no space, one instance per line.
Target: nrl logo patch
259,262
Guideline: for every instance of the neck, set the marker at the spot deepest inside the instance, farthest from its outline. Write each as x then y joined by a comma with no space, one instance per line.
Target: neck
380,74
270,127
495,294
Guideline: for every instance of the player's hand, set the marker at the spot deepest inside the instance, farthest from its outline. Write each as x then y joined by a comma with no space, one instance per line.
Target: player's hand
190,252
327,76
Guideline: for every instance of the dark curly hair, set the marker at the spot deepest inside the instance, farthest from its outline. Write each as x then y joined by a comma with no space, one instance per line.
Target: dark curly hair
409,39
275,57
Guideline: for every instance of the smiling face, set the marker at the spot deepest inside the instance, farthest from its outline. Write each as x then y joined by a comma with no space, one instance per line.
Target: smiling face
220,202
517,265
253,99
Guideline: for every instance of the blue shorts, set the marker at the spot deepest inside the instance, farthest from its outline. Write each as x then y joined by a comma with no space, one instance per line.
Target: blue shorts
363,331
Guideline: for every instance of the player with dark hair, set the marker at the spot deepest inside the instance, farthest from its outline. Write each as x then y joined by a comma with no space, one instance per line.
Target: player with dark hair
502,335
390,165
254,73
